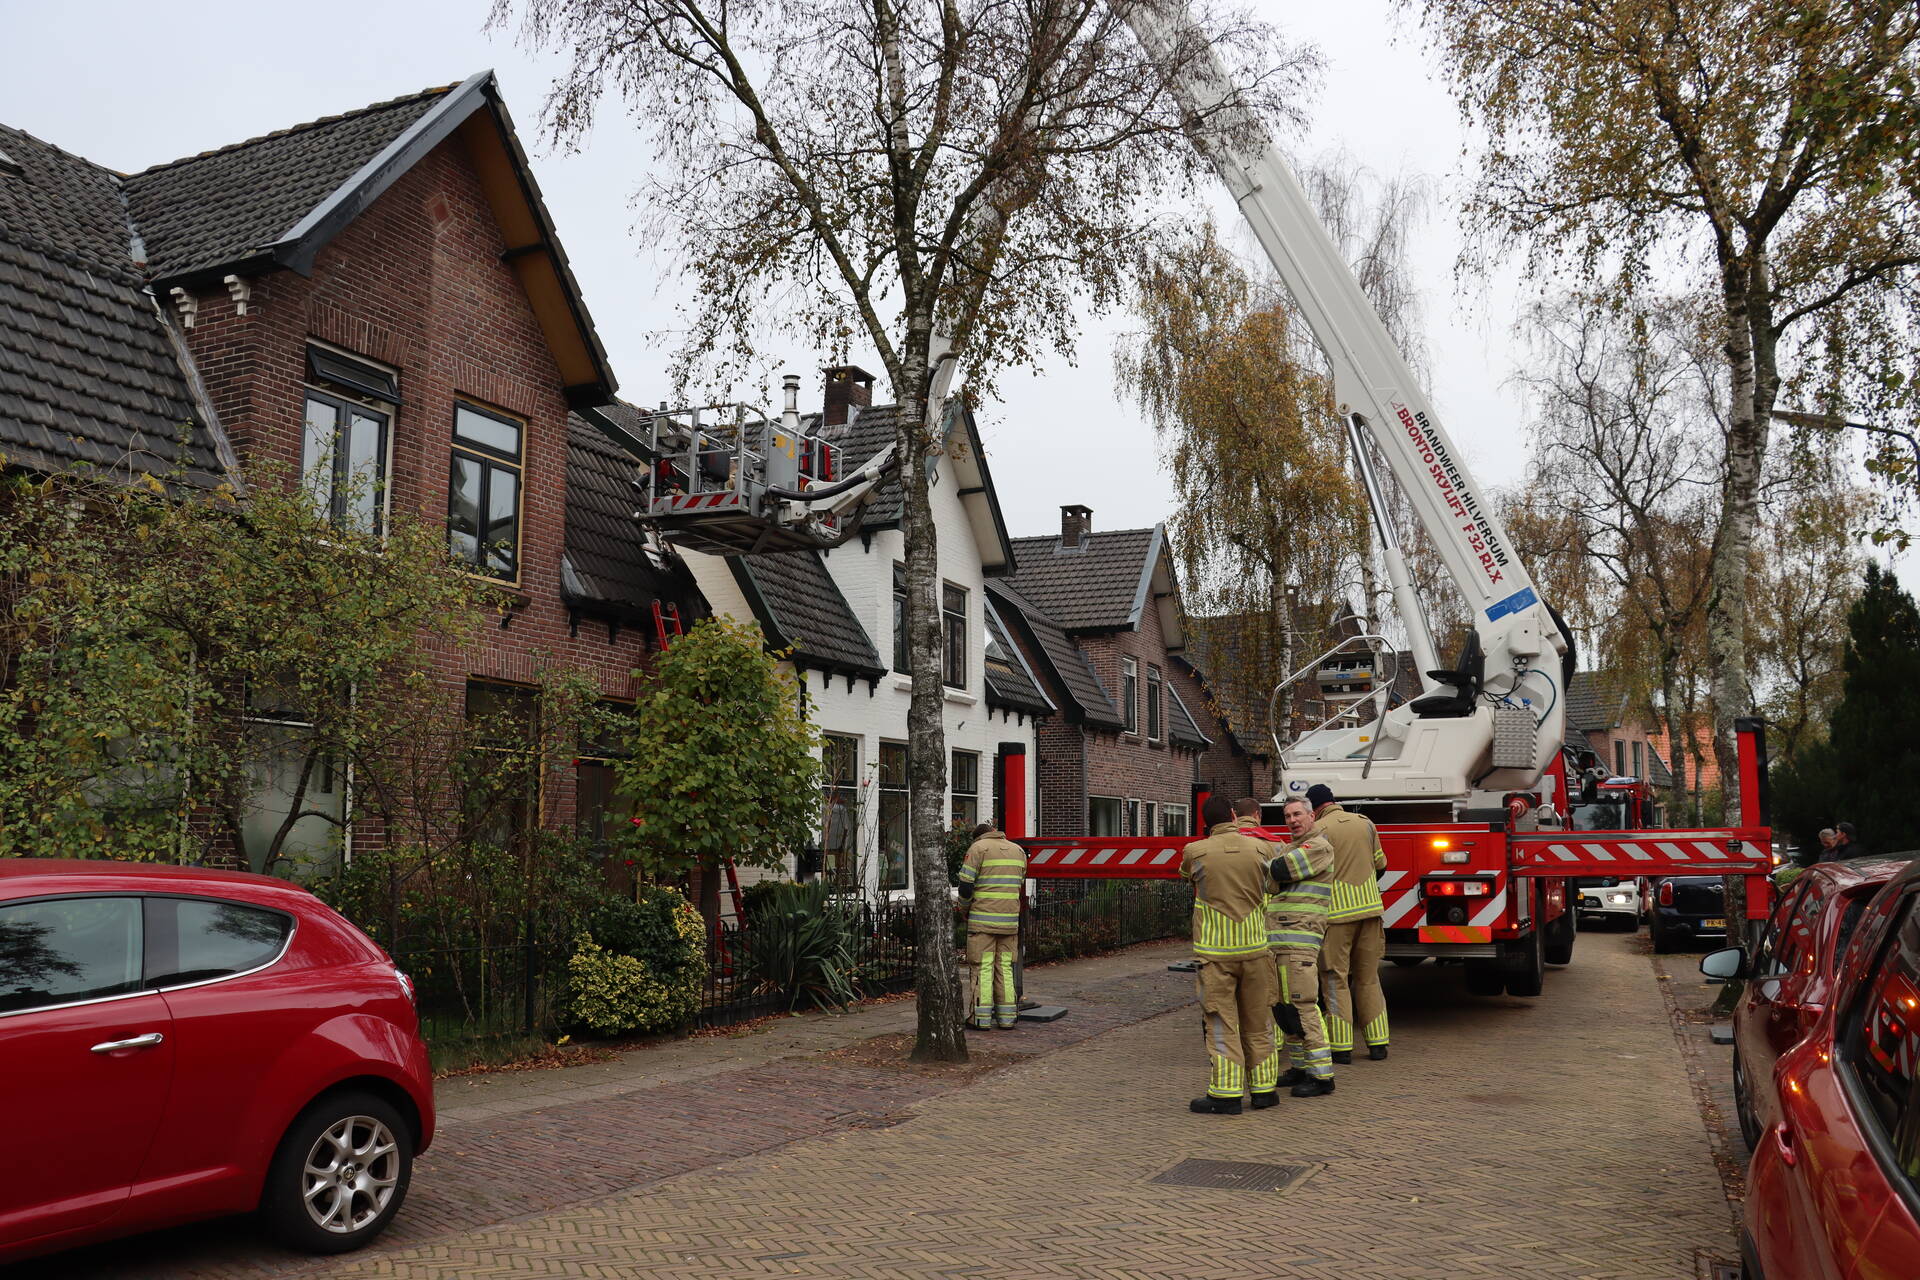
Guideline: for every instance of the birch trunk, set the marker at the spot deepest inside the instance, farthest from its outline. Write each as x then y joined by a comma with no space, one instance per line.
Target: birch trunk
940,1035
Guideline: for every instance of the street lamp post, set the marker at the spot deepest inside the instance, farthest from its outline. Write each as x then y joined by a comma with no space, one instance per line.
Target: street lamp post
1831,421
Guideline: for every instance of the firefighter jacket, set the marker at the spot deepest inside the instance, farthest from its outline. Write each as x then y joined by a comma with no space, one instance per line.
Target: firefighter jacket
996,869
1229,875
1300,892
1358,861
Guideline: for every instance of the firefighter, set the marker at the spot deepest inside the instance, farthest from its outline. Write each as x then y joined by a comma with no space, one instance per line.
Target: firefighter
1296,923
1235,982
992,878
1356,940
1246,813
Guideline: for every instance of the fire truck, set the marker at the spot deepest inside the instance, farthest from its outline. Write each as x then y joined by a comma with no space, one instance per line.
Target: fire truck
1466,780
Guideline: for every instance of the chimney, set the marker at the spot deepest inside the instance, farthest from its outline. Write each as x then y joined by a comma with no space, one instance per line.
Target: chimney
1075,524
848,387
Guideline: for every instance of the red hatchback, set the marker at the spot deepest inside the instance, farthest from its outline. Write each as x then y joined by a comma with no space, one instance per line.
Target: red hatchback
1833,1192
179,1044
1791,975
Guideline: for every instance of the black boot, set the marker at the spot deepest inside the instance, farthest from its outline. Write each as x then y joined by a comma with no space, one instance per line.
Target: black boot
1343,1056
1271,1098
1377,1052
1312,1088
1211,1105
1291,1077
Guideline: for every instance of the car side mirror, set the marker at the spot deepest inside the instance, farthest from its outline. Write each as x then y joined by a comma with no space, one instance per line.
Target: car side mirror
1725,964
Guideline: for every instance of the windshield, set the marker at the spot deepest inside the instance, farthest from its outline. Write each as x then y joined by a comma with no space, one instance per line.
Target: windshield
1597,815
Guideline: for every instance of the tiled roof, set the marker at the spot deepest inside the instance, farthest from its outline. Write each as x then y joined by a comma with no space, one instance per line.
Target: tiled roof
90,371
1097,585
225,206
1657,772
1072,676
1009,684
1213,653
607,567
798,604
1181,725
871,431
1595,702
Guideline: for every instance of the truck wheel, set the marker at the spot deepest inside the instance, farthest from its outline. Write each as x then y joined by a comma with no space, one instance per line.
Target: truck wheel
1527,966
1560,939
1485,978
1407,962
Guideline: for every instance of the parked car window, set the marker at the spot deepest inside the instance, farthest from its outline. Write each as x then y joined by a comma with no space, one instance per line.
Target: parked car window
1766,957
1794,950
193,939
1883,1043
62,950
1856,907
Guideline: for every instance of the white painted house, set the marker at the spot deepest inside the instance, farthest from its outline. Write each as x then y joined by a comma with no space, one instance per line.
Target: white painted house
839,612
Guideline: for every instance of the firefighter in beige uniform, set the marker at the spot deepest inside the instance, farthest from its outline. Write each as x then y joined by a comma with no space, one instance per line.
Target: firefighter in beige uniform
993,877
1229,874
1356,940
1302,886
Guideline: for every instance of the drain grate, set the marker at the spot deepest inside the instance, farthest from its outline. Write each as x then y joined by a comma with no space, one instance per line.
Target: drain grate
1234,1175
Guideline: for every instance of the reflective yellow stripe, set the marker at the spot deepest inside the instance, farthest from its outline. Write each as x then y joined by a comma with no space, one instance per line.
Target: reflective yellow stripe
1354,901
1218,936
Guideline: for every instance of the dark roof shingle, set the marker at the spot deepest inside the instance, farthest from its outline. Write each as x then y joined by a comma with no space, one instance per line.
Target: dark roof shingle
608,567
798,604
1068,667
1009,684
1181,725
1594,701
89,369
223,207
1096,585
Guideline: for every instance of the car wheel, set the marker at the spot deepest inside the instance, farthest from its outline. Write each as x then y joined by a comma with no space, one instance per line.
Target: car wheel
1527,971
340,1174
1743,1104
1664,943
1485,977
1559,940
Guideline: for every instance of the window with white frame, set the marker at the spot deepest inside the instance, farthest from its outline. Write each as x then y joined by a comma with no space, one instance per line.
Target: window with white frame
1133,817
840,809
1105,816
290,776
1130,695
1174,820
901,656
895,837
1153,703
953,635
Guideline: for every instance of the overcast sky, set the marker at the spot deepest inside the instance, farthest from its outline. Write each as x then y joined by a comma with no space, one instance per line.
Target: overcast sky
131,85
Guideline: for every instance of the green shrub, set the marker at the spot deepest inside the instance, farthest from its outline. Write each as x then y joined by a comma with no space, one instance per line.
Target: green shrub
654,988
801,946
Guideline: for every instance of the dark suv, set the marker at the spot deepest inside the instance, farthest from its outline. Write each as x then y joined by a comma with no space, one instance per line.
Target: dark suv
1685,910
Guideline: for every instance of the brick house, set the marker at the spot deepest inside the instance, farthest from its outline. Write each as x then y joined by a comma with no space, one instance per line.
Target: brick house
1603,729
840,611
1097,618
376,296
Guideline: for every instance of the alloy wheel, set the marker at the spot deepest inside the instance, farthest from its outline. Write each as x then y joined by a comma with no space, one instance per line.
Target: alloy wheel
350,1174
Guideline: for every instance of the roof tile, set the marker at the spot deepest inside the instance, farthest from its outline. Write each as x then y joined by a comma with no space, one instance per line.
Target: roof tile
1093,586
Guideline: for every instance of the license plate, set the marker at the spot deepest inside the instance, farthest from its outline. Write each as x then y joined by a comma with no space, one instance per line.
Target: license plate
1713,924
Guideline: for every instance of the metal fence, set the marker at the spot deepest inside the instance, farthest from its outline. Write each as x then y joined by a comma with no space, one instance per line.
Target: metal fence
475,998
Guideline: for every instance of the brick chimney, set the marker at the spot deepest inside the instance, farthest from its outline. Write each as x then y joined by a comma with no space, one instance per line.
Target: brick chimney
1075,524
848,386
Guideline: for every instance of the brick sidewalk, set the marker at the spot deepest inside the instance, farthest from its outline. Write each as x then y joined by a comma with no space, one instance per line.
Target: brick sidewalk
1551,1138
513,1144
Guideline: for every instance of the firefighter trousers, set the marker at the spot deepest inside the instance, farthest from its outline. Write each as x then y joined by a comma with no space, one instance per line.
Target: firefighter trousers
1350,982
990,979
1236,1004
1297,969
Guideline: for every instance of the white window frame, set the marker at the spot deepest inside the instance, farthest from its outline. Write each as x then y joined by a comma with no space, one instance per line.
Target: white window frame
1130,694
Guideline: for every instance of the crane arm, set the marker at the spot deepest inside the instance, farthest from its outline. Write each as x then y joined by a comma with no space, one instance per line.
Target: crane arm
1371,378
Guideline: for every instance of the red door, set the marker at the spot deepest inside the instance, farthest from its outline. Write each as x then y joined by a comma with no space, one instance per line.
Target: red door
87,1060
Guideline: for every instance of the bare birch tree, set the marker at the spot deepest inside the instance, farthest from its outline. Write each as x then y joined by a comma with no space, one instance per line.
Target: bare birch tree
1769,146
863,171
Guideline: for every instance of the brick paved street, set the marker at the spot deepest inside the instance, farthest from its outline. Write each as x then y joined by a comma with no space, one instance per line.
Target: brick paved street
1555,1138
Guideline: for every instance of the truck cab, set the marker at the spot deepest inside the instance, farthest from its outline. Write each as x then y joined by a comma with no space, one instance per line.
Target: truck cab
1611,803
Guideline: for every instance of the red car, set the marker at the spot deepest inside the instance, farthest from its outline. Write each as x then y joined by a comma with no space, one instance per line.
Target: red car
1834,1188
178,1043
1791,975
